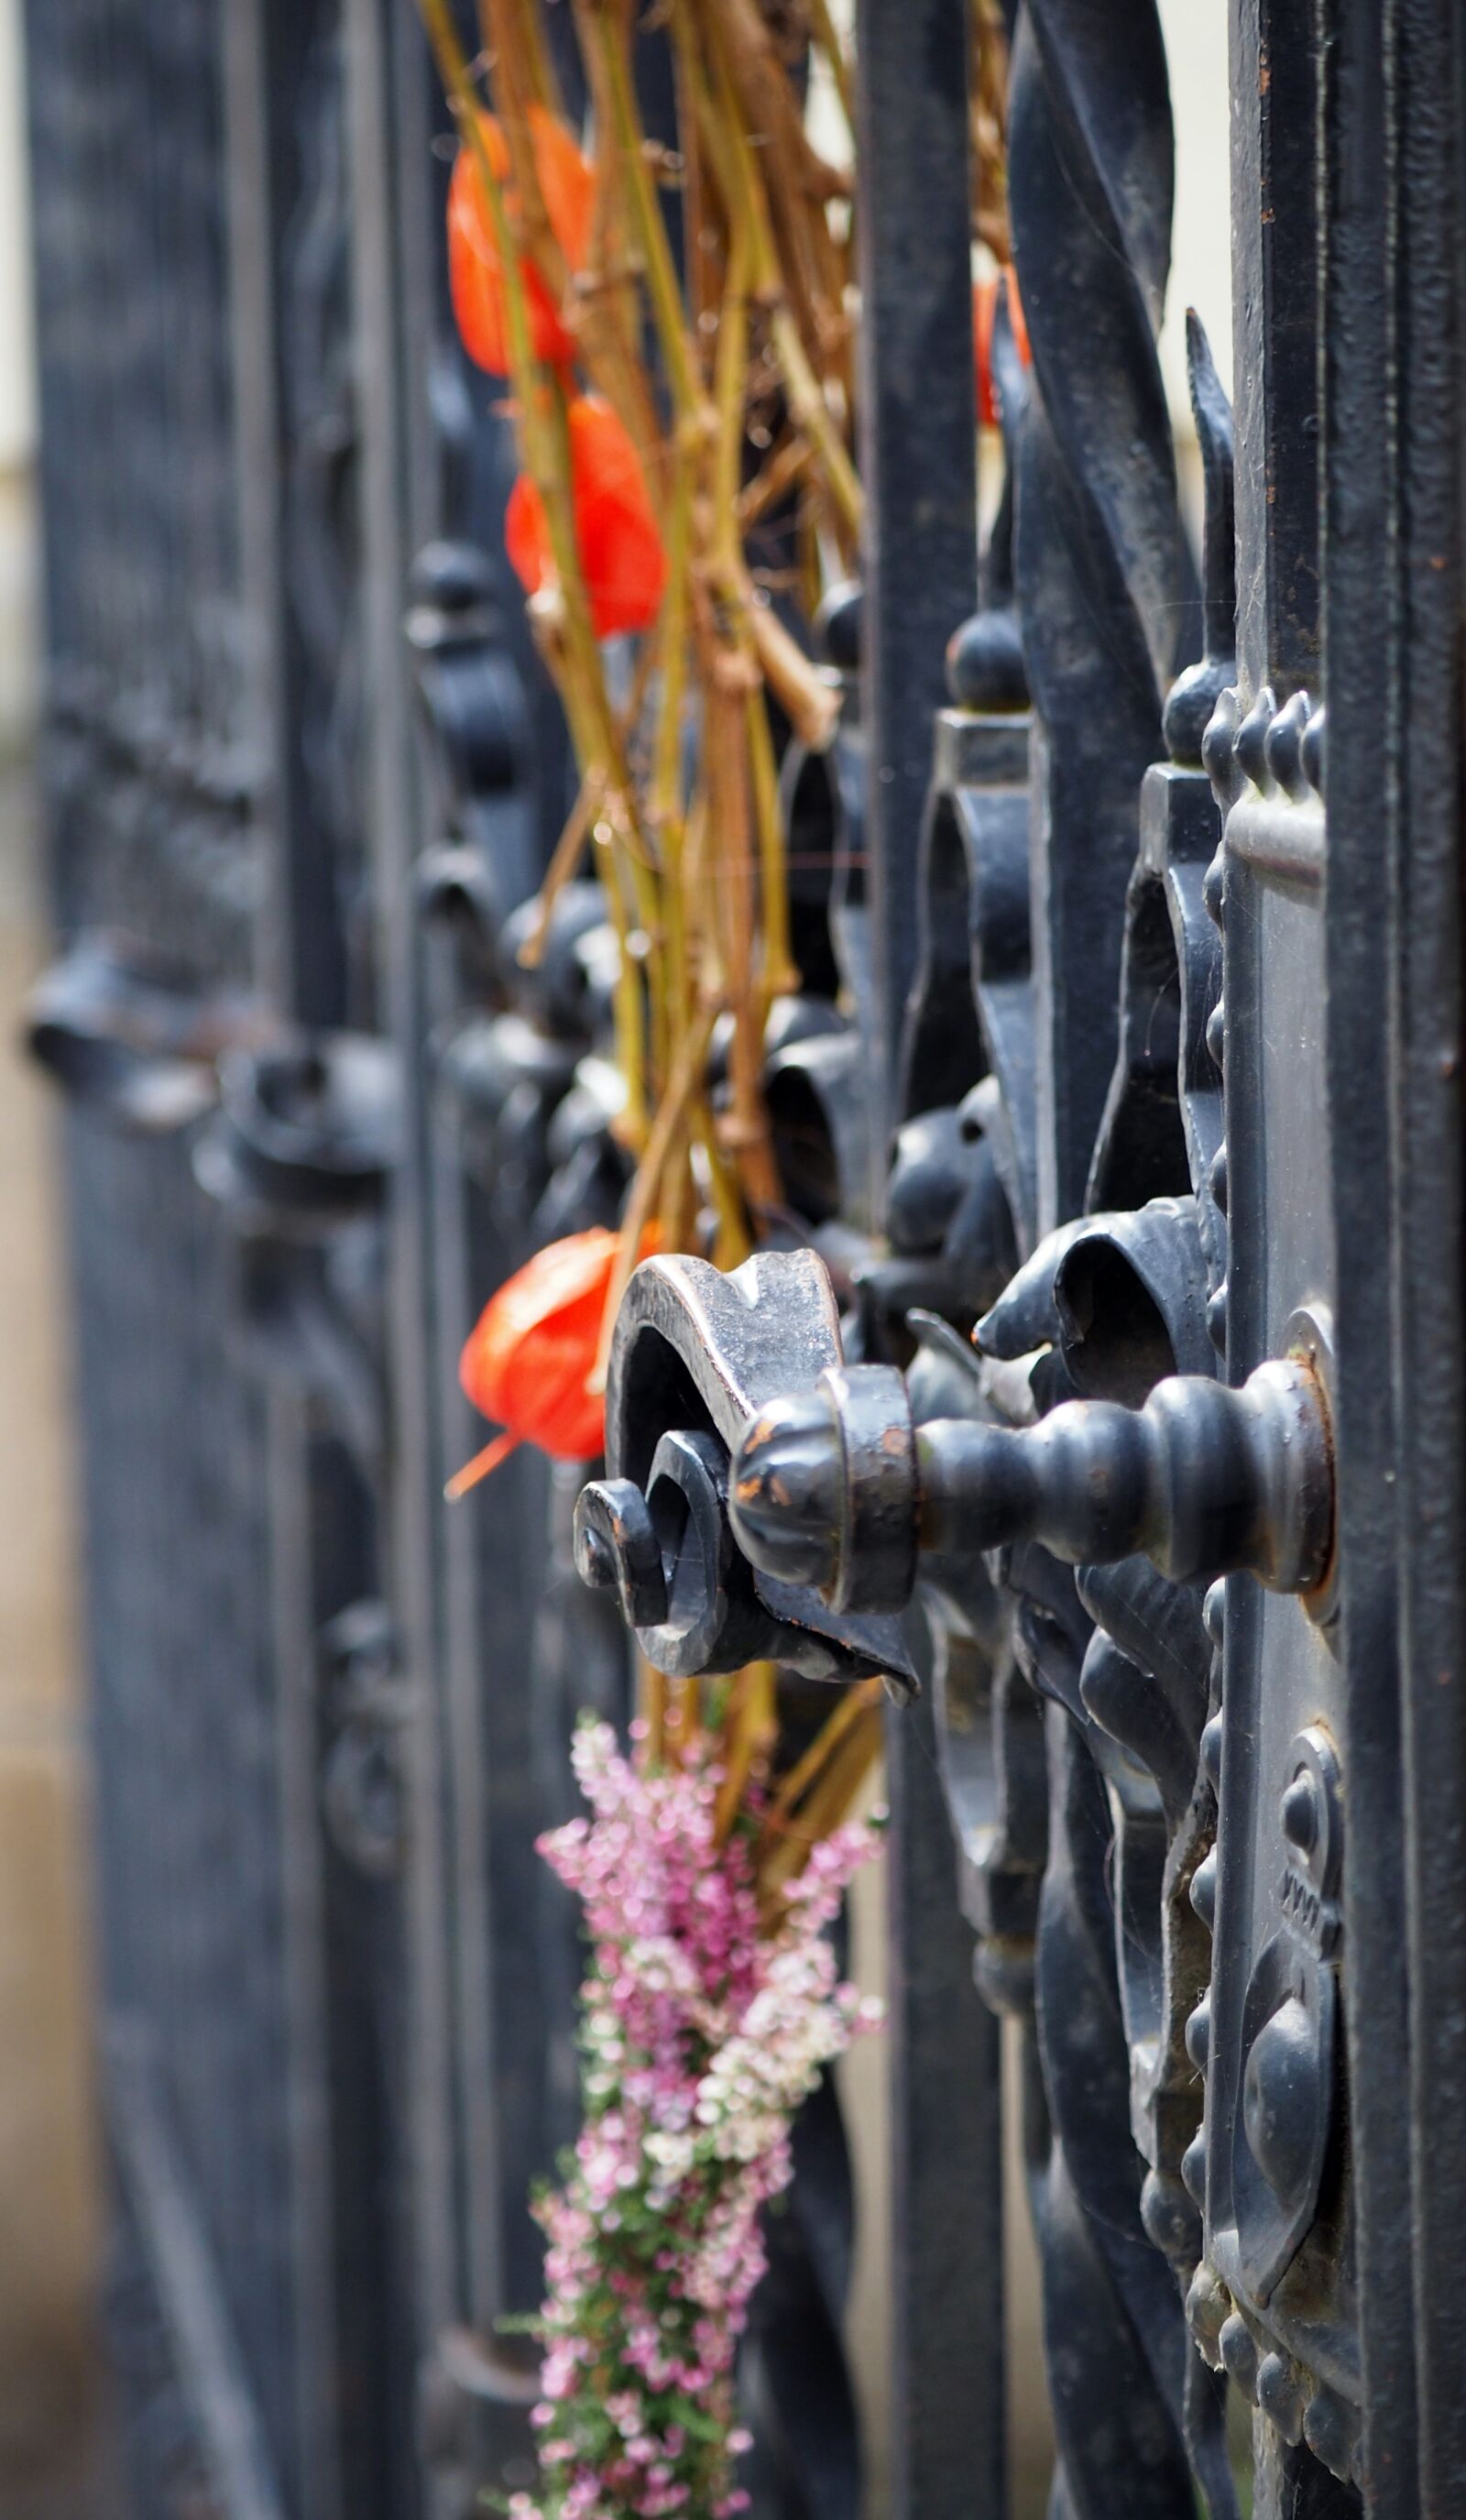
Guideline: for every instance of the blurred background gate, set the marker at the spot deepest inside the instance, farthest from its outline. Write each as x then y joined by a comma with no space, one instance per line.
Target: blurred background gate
251,426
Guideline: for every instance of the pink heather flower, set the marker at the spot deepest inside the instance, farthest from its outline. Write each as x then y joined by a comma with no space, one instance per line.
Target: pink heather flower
700,2037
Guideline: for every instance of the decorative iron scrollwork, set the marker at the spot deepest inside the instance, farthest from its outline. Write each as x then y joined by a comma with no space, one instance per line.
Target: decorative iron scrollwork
694,1356
1043,1516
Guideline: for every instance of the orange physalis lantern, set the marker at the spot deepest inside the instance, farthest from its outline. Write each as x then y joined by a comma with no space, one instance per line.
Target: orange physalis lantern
621,553
476,274
527,1360
983,317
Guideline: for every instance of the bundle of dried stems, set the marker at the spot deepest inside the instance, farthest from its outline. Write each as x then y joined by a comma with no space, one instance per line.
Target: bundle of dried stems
711,314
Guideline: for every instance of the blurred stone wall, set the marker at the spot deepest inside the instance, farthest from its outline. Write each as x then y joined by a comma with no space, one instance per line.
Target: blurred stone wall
48,2185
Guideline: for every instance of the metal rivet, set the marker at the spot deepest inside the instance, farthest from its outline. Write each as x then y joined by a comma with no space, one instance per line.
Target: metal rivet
1194,2168
1199,2034
1216,742
1171,2221
1210,1750
1283,744
1249,745
1208,2304
1239,2354
1204,1890
1279,2397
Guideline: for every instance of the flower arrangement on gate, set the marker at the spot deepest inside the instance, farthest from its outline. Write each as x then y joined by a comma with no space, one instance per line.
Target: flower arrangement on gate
688,495
703,2028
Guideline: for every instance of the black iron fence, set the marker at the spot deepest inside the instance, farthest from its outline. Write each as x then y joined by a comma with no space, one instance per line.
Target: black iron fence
1132,1030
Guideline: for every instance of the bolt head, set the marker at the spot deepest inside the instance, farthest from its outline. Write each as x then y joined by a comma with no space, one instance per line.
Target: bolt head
1302,1819
1281,2098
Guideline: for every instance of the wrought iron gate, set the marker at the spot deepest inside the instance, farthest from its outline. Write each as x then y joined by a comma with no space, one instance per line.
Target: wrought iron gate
1142,949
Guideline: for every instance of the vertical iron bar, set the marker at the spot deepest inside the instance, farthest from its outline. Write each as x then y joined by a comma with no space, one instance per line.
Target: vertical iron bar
1276,241
918,441
1275,300
1355,537
1425,82
268,50
469,1955
371,27
487,1554
949,2447
265,51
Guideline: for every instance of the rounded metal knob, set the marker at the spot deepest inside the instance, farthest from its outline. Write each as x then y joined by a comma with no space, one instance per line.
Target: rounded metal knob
835,1489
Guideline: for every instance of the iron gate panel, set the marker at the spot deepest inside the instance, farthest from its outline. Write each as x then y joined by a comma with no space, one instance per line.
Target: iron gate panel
150,794
1165,1376
203,840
